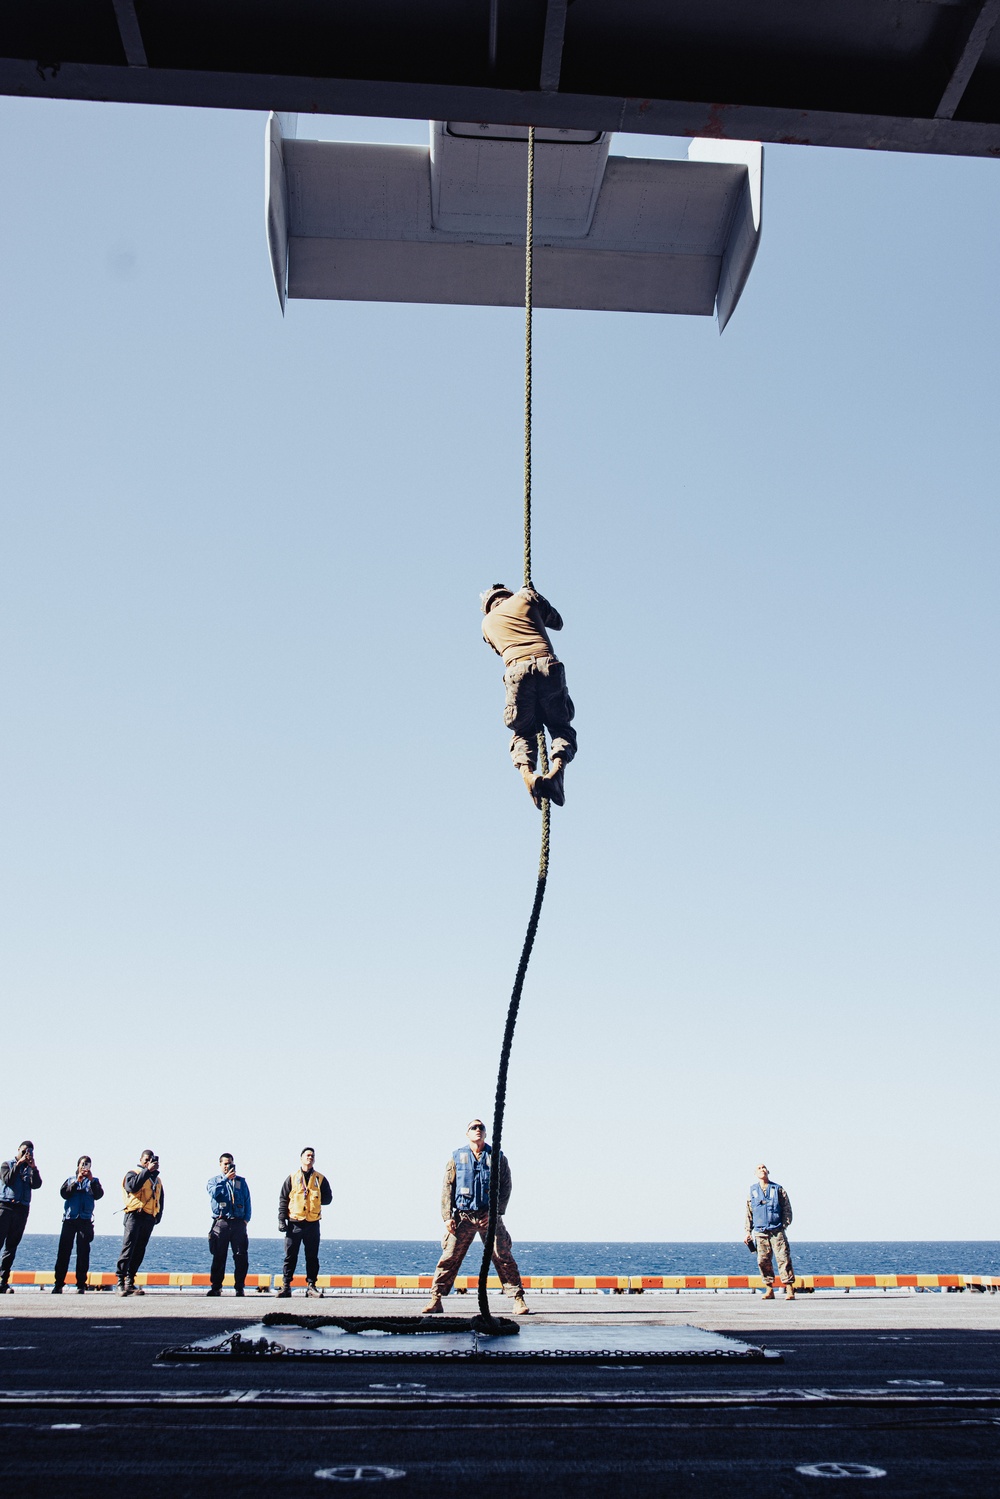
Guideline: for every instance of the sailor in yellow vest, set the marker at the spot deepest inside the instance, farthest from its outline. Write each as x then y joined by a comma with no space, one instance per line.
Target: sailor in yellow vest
142,1190
304,1195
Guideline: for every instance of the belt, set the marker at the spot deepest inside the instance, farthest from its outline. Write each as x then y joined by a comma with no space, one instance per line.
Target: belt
531,661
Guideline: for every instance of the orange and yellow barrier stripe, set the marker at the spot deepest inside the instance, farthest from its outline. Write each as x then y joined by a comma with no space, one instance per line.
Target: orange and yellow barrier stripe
623,1284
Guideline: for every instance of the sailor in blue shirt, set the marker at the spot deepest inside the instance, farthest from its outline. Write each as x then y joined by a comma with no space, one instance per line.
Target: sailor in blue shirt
79,1193
230,1197
18,1179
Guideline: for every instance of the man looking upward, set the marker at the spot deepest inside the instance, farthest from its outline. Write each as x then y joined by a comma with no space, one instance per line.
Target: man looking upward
465,1208
768,1214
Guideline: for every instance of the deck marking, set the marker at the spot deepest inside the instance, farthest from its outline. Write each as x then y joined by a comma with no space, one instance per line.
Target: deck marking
366,1474
840,1470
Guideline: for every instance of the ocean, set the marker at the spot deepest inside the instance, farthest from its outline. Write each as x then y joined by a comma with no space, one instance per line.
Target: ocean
419,1256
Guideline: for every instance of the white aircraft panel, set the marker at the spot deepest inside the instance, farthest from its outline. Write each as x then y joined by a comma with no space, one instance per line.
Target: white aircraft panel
356,222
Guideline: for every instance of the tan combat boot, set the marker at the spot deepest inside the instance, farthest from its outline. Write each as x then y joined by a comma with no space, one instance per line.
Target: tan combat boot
789,1293
769,1294
434,1305
520,1307
531,780
551,784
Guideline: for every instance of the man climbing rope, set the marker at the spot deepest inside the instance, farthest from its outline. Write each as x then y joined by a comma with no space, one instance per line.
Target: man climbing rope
515,625
465,1208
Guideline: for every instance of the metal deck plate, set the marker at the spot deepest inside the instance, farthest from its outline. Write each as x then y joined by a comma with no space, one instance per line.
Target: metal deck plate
538,1342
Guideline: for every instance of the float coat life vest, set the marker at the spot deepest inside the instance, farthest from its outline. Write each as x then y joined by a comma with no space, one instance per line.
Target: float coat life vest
17,1188
146,1200
472,1180
304,1200
765,1203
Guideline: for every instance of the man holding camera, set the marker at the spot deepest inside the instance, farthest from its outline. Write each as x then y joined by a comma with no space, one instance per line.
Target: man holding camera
142,1190
18,1179
230,1215
79,1193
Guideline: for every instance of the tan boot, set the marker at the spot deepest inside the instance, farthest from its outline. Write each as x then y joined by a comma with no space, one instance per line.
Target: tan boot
769,1294
434,1305
789,1293
531,781
520,1307
550,785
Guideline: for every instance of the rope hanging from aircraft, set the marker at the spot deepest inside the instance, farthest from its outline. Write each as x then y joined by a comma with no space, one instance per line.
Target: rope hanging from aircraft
486,1321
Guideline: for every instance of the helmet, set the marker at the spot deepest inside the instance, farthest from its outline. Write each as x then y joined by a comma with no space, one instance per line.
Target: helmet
493,592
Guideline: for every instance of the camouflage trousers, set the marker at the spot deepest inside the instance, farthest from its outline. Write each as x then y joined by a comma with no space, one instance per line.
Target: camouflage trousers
454,1248
769,1245
537,699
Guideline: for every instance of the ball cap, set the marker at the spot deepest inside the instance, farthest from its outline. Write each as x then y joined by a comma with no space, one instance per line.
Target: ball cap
494,591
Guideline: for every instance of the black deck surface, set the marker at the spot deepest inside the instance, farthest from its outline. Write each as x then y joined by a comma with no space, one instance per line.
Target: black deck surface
617,1430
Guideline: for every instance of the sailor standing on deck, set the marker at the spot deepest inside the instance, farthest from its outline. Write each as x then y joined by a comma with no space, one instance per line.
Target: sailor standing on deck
79,1193
465,1208
768,1214
303,1197
142,1190
18,1179
230,1215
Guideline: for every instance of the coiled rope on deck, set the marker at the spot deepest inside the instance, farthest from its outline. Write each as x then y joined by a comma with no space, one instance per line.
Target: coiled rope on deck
487,1321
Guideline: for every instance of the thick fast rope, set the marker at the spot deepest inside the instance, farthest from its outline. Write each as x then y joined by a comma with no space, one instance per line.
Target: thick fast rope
486,1320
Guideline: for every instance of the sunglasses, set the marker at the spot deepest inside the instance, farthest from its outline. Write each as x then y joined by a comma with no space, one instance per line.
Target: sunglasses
477,1129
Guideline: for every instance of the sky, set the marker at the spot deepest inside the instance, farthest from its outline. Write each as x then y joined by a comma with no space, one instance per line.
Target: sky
266,867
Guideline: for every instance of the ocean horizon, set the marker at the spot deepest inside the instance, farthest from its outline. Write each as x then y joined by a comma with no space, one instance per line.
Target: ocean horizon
167,1253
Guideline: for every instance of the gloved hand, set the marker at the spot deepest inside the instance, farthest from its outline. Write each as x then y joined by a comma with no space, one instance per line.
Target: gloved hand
282,1225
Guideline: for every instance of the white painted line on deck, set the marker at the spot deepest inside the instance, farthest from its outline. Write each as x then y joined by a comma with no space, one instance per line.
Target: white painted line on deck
840,1470
366,1474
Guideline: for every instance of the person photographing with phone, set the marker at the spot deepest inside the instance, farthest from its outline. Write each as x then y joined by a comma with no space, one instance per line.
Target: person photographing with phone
142,1191
231,1210
18,1179
79,1193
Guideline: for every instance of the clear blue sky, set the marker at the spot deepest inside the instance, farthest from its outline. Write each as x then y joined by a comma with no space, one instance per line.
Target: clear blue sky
266,866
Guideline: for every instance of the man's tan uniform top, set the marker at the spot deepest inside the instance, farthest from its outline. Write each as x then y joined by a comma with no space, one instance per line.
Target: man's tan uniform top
534,679
516,627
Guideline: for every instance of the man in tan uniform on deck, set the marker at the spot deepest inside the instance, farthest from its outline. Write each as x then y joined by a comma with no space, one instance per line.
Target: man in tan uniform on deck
515,626
465,1208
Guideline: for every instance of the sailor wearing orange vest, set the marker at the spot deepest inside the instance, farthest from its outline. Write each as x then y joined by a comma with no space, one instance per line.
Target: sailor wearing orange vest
142,1191
303,1197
